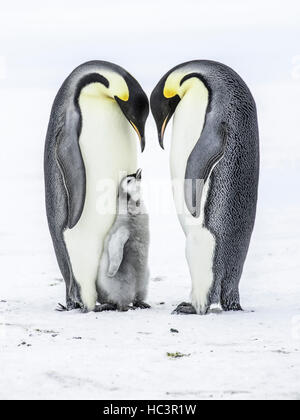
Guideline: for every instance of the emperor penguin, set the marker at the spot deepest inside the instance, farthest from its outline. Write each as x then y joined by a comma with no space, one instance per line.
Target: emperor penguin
214,163
123,273
90,146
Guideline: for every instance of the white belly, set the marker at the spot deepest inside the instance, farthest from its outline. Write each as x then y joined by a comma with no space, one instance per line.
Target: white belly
188,123
108,147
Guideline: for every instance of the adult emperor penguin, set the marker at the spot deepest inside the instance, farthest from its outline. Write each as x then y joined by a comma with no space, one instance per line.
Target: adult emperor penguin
214,164
90,145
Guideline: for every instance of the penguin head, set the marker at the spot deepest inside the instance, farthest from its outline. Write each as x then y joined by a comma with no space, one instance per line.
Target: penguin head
112,82
135,106
163,108
130,189
168,93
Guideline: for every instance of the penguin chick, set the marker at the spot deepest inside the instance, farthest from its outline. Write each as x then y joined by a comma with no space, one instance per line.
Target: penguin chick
123,272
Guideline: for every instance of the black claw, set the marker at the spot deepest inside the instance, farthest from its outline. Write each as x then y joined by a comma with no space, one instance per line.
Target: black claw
61,308
184,304
141,305
70,306
105,307
185,309
233,307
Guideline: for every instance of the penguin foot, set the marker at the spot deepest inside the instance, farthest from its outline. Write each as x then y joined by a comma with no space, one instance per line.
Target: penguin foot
105,307
70,307
61,308
141,305
185,309
232,307
126,308
215,309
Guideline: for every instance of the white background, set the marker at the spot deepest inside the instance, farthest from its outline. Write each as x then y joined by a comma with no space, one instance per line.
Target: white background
244,355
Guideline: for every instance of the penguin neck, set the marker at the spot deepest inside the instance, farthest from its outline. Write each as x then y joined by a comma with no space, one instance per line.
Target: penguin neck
107,140
188,123
108,147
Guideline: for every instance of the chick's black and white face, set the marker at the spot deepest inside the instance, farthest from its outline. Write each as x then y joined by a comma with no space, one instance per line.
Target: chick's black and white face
131,186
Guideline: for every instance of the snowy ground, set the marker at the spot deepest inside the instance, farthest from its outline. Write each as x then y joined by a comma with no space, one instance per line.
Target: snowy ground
47,354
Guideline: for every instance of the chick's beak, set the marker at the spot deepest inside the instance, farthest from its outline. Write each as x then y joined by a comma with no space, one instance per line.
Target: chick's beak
139,174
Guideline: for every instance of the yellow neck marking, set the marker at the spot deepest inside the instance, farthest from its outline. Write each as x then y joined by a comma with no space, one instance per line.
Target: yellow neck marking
172,86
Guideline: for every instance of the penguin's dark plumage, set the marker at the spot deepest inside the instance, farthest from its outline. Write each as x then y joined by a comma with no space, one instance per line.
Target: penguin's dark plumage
64,166
225,157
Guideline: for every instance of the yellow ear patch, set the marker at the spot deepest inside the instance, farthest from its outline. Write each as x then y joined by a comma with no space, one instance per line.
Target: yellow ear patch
169,92
172,85
117,85
124,96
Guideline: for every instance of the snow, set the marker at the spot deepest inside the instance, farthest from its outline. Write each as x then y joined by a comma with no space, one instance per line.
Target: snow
254,354
249,355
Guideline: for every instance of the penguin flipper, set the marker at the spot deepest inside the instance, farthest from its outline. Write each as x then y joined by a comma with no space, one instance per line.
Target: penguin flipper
71,164
116,250
207,152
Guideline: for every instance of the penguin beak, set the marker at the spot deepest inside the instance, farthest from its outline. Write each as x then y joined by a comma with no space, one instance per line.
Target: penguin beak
162,109
162,132
143,142
141,136
136,110
138,175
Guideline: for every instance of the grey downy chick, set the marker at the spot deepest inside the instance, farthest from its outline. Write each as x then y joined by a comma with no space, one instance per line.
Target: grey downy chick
123,272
